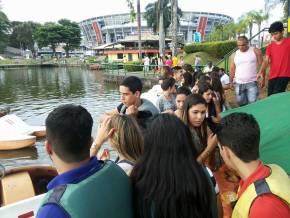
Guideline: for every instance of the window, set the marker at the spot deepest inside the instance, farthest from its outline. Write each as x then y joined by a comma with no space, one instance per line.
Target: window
130,58
120,56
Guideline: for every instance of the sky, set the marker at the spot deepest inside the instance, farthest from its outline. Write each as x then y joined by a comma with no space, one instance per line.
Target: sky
52,10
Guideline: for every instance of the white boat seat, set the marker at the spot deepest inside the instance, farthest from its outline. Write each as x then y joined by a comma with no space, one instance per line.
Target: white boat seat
16,187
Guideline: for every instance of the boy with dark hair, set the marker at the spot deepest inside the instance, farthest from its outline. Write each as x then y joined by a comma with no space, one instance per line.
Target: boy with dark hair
132,104
278,57
177,74
83,183
264,189
166,101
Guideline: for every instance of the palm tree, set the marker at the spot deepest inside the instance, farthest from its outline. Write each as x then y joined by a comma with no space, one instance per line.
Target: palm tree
241,27
130,4
161,28
259,17
158,17
174,5
250,20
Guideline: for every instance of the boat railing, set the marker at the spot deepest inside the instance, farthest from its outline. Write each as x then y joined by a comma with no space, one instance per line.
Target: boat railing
149,71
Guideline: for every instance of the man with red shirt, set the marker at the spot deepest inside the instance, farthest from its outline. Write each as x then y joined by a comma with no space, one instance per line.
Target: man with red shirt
278,56
264,190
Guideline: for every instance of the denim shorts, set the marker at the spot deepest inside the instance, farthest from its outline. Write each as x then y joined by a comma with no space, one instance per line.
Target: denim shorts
246,93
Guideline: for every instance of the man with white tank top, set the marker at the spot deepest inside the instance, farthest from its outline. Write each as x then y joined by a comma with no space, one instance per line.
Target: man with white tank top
244,66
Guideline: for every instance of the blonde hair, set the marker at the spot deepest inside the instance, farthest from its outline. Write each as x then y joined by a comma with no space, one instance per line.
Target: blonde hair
127,138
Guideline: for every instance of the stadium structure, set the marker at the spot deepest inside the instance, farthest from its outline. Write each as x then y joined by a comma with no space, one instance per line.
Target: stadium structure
112,28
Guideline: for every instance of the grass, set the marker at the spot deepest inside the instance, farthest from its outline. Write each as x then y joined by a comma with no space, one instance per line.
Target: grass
205,58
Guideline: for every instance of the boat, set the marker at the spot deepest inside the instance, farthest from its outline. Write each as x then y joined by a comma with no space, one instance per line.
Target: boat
11,142
13,124
16,134
23,189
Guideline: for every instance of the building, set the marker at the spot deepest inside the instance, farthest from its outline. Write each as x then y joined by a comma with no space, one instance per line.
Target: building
127,49
111,28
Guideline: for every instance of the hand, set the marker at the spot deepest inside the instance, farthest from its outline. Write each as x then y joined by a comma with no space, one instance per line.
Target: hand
168,111
261,80
105,155
211,141
103,134
132,110
231,86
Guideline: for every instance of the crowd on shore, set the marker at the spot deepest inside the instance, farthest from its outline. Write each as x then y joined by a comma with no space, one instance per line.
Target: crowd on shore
168,149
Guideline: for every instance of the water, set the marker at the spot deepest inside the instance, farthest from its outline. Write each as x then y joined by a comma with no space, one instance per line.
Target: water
32,93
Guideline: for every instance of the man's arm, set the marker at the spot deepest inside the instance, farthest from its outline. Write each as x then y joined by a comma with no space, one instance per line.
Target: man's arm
259,56
232,70
262,72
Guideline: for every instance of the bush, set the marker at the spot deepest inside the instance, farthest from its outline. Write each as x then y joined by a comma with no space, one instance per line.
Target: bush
216,49
133,66
91,60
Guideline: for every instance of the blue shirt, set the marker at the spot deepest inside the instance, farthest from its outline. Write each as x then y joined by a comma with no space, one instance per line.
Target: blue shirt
73,176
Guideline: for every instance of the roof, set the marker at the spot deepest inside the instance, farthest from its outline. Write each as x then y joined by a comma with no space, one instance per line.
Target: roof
144,37
109,46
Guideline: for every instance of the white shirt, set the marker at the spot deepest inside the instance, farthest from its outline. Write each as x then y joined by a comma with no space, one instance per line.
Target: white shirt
146,61
225,79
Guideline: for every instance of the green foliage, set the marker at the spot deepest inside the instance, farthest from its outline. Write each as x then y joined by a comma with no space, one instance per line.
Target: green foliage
215,49
4,29
223,32
91,60
205,58
22,35
48,35
152,13
52,34
70,34
130,4
133,66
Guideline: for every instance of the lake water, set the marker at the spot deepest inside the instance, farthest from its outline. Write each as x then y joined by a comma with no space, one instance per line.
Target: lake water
32,93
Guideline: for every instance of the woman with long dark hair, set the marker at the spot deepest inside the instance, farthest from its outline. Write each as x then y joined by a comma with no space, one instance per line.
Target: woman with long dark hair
167,180
194,114
213,105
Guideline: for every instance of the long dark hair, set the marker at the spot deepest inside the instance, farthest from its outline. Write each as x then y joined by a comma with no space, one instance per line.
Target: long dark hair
167,180
192,100
218,87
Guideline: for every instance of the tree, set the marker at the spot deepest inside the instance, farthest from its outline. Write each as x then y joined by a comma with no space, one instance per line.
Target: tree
48,35
174,15
259,17
22,35
53,34
4,30
70,35
130,4
270,4
241,27
152,14
158,17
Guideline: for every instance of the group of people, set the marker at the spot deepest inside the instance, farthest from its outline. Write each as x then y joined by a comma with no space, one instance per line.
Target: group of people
164,165
158,63
247,61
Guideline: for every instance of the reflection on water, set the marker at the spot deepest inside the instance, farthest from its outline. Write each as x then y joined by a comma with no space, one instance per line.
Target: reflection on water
32,93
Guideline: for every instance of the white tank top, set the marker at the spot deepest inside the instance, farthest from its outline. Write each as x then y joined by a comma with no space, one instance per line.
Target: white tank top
246,66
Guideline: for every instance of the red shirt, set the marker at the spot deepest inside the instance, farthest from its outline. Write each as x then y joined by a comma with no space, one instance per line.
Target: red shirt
279,59
267,205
